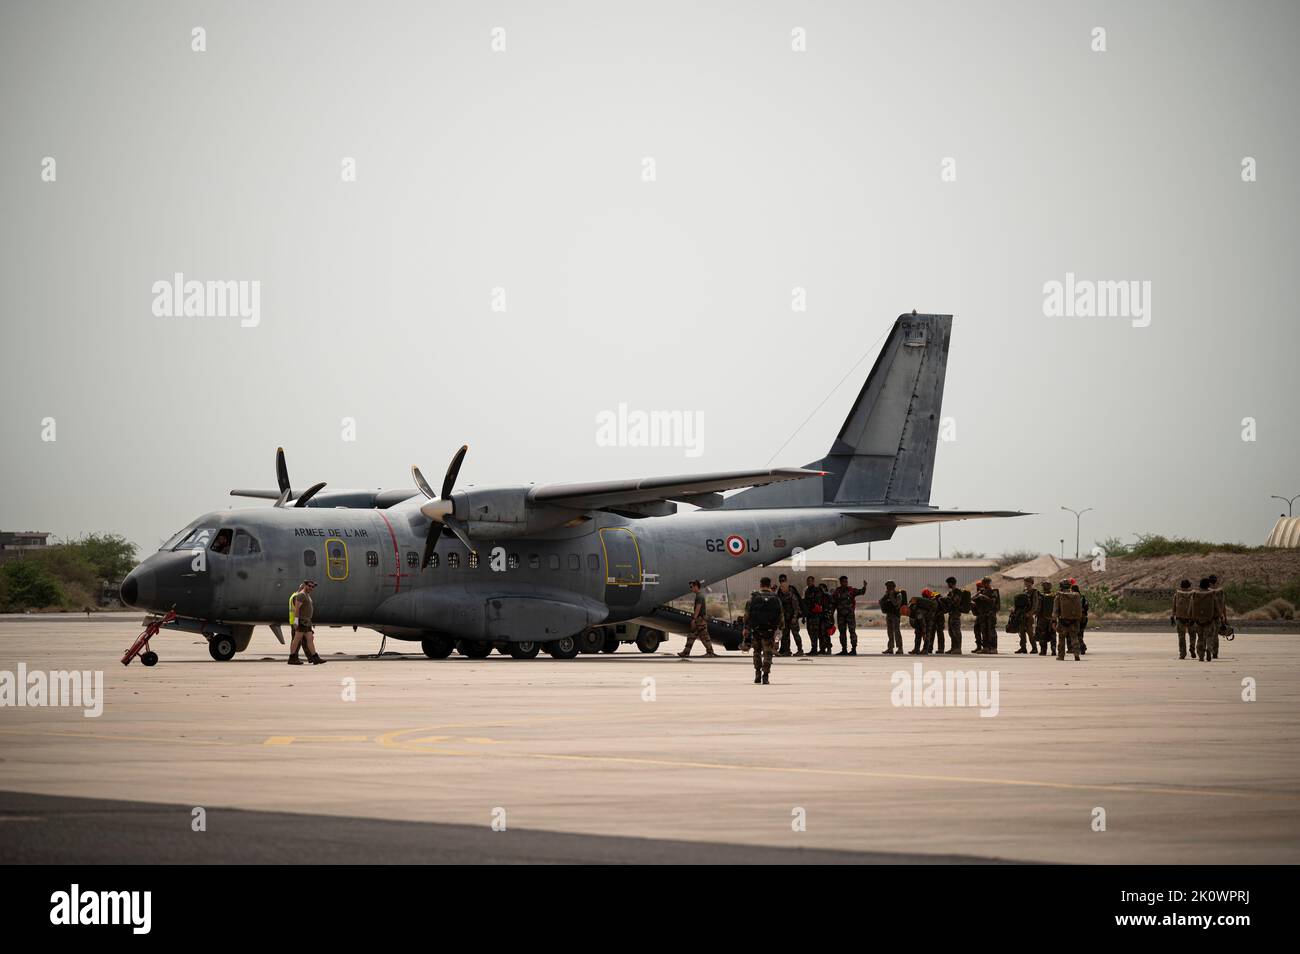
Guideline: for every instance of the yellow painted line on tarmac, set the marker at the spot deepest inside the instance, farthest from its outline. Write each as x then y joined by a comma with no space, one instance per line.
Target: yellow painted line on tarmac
290,739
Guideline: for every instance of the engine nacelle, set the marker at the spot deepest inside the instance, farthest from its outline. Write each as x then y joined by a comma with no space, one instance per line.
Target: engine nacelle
500,512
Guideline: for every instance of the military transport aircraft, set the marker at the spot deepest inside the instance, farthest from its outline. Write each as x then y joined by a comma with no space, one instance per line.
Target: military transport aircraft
527,568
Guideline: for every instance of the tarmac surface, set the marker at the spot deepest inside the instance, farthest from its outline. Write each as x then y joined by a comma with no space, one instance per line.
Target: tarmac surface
649,758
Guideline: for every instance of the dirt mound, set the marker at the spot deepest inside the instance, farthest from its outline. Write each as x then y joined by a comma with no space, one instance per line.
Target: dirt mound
1266,567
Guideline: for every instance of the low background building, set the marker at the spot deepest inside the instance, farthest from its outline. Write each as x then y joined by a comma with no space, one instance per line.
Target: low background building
14,544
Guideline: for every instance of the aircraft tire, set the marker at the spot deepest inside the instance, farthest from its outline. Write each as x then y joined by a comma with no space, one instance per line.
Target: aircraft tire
149,658
563,648
611,644
221,648
437,647
591,640
525,650
648,641
475,648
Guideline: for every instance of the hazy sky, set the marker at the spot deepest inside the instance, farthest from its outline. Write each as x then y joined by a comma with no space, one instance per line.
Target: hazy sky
524,170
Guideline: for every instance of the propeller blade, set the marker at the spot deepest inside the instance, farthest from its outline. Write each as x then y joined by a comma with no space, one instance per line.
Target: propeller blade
421,482
458,528
453,471
281,470
430,541
283,498
308,494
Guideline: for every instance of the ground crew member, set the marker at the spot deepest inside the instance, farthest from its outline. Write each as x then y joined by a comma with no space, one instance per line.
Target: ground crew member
845,600
791,610
1026,605
699,625
1221,605
813,615
985,604
955,599
1205,613
763,620
1044,634
300,614
1181,616
891,604
1067,614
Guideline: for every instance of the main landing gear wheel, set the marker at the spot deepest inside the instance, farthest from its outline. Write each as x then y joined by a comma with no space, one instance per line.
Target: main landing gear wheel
565,648
648,642
611,645
475,648
149,658
437,647
221,648
591,640
525,650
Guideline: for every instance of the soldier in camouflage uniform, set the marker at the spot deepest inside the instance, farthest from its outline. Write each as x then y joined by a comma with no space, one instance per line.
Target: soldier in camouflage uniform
891,604
1221,607
1083,623
1026,617
814,615
844,599
1205,613
953,598
828,618
763,620
925,610
791,610
1067,616
1044,634
699,625
1181,616
985,603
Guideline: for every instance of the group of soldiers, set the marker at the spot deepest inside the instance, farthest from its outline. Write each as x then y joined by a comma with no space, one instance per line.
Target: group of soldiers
1198,615
1046,621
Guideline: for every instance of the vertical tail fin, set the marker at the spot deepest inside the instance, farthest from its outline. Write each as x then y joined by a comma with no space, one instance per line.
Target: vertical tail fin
884,453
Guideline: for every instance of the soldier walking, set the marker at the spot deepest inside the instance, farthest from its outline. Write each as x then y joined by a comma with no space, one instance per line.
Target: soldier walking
1205,613
891,604
699,625
763,620
1221,608
845,600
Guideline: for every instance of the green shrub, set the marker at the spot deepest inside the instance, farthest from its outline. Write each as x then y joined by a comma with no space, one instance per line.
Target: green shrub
28,584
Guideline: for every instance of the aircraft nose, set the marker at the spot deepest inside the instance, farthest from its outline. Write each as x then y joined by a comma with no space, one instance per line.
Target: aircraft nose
139,587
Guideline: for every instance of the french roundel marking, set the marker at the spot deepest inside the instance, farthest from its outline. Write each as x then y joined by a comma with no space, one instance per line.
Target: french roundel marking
735,545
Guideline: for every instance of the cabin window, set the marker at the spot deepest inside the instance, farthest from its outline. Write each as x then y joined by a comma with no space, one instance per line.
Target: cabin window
575,562
553,561
512,561
593,562
195,539
534,561
453,561
412,558
245,544
472,562
433,560
308,557
221,544
372,558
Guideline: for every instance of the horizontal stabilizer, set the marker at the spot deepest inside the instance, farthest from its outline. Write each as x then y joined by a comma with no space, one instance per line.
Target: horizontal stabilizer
903,517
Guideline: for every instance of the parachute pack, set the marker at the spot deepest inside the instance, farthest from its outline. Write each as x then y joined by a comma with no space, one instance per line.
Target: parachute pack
764,610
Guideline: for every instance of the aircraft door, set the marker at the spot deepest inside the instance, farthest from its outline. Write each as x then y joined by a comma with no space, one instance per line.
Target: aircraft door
622,566
245,576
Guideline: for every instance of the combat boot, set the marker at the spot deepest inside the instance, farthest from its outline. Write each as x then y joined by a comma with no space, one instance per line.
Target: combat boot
765,681
315,659
294,660
758,677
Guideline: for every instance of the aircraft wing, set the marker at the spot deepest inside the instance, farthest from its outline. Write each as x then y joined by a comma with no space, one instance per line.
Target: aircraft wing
907,516
701,489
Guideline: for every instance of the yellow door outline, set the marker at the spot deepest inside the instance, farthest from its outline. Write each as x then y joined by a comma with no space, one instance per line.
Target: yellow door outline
334,564
635,578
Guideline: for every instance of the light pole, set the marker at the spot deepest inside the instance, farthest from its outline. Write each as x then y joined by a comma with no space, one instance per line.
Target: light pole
1078,516
1287,500
1062,548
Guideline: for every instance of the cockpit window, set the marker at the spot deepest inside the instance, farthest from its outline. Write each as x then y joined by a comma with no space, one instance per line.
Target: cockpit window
221,543
197,538
245,544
